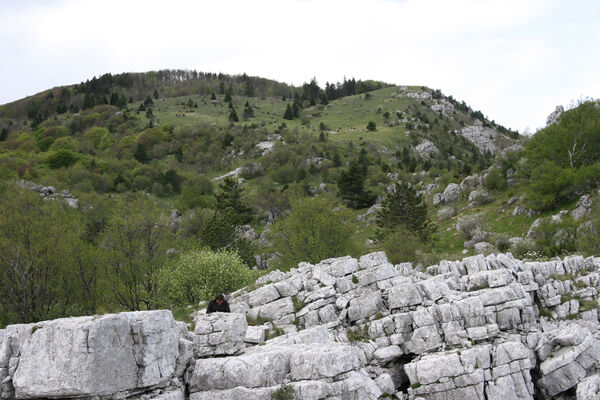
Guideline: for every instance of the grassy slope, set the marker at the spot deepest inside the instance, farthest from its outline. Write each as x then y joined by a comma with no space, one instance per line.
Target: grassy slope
346,120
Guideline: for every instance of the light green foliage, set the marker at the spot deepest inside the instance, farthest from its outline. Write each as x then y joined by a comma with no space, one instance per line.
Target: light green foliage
100,137
588,238
196,193
285,392
317,228
62,159
136,239
495,180
200,275
37,261
554,238
64,143
564,158
401,245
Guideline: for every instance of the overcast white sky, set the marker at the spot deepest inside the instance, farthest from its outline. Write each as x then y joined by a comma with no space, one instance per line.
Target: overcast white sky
513,60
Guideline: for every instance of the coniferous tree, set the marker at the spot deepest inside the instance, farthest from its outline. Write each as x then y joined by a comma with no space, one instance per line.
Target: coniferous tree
232,200
248,111
404,207
351,186
233,117
228,92
289,113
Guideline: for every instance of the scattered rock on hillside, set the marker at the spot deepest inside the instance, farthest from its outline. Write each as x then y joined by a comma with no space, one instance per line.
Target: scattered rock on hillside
583,207
426,148
555,115
49,192
482,137
451,193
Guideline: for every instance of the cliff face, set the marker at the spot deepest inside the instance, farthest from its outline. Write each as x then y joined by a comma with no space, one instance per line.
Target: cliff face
482,328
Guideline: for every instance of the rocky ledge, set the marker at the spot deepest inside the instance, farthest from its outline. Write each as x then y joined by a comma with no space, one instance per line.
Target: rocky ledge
482,328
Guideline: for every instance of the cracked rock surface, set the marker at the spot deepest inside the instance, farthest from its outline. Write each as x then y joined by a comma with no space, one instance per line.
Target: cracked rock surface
485,327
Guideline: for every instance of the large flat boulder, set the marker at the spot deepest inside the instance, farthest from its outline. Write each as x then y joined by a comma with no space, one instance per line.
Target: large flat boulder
97,356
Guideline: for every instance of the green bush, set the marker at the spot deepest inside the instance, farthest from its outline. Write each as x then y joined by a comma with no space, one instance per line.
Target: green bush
502,243
285,392
200,275
317,229
401,245
61,158
494,180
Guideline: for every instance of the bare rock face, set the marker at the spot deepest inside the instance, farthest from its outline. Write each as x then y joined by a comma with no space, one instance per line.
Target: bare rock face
219,334
313,371
482,137
583,207
484,327
555,115
92,356
426,148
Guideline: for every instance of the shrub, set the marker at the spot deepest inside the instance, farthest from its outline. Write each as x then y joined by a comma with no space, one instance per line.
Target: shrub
401,245
371,126
62,158
555,237
285,392
317,229
200,275
470,226
502,243
494,180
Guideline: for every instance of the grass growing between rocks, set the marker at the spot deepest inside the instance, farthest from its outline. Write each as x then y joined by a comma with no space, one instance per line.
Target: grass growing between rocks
298,304
285,392
273,332
358,334
256,321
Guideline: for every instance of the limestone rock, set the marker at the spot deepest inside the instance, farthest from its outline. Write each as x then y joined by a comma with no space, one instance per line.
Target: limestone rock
97,356
451,193
219,334
555,115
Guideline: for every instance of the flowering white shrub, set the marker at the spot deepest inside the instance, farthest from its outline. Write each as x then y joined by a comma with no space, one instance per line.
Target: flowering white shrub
200,275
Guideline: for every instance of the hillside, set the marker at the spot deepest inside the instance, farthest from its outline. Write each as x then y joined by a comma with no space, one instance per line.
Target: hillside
179,160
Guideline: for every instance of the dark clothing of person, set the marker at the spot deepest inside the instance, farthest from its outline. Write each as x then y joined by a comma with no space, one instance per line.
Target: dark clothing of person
213,306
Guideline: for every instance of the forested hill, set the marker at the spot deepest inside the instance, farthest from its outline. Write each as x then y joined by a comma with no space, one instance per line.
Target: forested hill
143,168
121,89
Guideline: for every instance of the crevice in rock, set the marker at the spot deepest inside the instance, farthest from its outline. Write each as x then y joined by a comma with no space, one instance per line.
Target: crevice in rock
396,371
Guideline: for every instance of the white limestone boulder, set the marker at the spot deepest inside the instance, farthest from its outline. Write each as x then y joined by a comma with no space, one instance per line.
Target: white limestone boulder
219,334
97,356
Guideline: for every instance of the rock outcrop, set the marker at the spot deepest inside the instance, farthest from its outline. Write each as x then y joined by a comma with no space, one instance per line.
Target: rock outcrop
110,355
485,327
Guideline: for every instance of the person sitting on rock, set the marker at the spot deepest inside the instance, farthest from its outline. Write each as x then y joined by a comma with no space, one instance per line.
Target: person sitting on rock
218,304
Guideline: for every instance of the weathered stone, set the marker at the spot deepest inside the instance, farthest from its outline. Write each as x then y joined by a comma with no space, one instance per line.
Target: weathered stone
97,356
219,334
255,334
404,295
323,361
276,309
263,295
365,306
